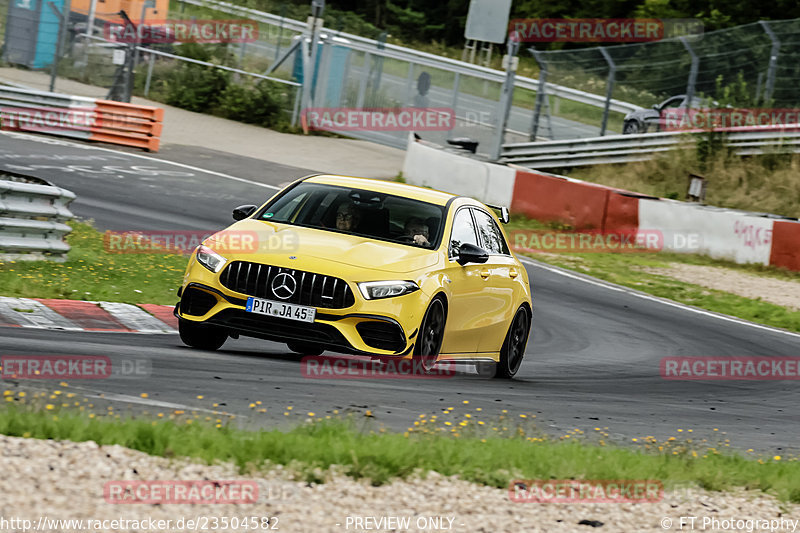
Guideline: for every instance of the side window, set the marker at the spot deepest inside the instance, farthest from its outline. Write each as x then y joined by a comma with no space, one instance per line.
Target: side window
463,231
491,236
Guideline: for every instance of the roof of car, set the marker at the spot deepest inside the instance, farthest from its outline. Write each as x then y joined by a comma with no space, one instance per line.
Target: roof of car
387,187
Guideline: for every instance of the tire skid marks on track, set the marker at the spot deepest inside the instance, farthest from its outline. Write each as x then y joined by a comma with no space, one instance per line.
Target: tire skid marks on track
74,315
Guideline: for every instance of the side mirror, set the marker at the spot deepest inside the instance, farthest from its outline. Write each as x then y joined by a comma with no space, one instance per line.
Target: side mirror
469,253
504,215
656,107
244,211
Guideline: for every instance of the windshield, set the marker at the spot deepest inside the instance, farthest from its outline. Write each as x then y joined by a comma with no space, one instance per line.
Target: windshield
358,212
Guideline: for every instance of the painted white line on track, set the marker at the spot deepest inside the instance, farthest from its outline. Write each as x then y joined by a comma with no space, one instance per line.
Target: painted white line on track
638,294
140,156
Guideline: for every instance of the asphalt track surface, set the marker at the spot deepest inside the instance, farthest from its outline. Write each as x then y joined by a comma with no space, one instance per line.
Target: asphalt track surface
593,359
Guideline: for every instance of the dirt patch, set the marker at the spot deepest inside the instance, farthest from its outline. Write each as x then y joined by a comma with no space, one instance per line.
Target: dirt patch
775,291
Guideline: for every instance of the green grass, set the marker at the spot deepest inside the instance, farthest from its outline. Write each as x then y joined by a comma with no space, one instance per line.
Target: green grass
379,456
629,269
91,273
766,183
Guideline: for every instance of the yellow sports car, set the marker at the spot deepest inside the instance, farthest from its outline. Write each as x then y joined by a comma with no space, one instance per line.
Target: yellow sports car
363,266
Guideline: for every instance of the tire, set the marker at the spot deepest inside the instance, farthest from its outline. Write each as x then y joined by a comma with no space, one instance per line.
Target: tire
201,336
513,349
431,334
631,127
305,348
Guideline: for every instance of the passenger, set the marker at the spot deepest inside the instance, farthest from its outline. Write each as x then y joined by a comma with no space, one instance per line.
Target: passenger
348,217
418,231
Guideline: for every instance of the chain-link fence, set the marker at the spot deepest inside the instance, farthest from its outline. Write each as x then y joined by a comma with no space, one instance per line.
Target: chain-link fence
760,59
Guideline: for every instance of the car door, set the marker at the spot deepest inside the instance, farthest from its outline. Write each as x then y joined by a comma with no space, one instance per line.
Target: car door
465,289
669,109
502,289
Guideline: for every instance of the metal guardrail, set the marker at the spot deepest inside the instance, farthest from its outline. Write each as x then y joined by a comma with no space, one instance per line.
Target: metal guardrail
421,58
32,212
643,147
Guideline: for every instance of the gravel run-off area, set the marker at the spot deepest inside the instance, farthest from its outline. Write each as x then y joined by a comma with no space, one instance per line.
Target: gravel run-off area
66,480
785,293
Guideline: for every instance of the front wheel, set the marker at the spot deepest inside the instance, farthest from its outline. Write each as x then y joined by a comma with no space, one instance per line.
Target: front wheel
631,127
513,349
201,336
431,334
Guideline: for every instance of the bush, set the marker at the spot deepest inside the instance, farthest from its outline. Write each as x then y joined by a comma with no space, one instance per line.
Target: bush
196,88
259,104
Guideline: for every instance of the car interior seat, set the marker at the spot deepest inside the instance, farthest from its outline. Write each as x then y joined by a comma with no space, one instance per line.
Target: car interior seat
375,222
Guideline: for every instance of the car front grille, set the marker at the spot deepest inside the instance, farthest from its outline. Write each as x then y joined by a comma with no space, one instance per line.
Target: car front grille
316,290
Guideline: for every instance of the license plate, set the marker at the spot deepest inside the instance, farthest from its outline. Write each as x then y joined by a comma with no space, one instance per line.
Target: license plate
301,313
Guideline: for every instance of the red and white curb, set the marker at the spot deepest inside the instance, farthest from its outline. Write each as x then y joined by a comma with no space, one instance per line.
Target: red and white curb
76,315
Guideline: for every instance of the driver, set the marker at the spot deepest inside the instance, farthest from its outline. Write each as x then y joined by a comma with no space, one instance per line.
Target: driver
348,217
418,231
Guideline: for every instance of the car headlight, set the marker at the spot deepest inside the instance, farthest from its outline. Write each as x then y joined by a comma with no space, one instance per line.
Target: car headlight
374,290
210,259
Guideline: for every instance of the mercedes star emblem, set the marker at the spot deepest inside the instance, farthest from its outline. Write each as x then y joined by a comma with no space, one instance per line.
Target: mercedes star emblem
283,286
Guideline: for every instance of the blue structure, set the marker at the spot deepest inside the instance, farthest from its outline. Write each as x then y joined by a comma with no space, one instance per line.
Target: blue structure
32,32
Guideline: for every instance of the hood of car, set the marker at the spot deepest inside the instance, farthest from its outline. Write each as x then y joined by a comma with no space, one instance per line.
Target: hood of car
316,250
642,114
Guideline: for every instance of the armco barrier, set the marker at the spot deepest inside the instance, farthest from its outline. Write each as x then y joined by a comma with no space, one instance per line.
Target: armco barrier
31,218
82,118
685,227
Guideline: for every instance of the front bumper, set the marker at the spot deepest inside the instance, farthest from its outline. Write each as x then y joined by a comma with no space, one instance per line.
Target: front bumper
379,328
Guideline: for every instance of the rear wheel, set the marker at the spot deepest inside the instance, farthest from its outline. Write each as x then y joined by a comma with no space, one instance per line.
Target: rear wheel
513,349
305,348
431,334
201,336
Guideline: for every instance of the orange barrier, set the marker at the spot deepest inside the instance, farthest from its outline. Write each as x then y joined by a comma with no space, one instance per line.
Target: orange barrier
555,199
81,118
128,124
150,113
785,251
622,211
